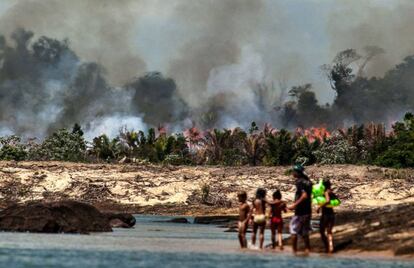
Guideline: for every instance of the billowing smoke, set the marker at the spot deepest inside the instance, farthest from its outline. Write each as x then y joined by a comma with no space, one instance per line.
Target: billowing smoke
100,31
44,86
386,24
216,63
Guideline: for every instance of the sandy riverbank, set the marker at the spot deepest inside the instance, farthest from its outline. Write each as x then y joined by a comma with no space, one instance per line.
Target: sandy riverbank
178,190
371,220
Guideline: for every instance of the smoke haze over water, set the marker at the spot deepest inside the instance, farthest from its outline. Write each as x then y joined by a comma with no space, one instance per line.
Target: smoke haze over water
216,63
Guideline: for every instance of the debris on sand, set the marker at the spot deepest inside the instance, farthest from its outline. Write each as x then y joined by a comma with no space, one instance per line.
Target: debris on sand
190,190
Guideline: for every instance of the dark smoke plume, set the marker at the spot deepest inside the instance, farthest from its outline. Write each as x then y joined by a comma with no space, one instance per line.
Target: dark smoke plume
226,63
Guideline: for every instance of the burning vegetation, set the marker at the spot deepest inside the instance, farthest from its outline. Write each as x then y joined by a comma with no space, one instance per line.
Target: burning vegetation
364,144
45,86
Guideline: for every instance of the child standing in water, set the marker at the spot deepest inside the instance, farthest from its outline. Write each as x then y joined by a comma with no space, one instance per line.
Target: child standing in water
327,220
259,216
244,210
276,220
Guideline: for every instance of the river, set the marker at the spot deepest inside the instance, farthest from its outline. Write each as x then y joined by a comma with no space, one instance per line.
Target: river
155,244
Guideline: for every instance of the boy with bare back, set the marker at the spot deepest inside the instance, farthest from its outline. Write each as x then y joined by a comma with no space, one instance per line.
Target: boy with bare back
244,211
277,206
259,216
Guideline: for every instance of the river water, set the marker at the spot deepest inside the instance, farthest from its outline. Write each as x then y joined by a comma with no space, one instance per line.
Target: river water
155,244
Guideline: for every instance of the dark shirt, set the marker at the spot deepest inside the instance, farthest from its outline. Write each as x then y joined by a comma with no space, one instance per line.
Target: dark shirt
305,207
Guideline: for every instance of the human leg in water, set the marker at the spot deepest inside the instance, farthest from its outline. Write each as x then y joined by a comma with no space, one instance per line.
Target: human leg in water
294,243
255,227
307,244
261,235
273,234
330,237
279,235
322,231
242,234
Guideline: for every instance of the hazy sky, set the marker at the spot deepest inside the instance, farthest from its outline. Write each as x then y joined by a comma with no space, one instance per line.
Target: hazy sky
292,37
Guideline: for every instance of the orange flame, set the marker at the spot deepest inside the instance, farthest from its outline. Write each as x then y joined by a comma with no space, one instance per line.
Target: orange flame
314,133
193,136
162,130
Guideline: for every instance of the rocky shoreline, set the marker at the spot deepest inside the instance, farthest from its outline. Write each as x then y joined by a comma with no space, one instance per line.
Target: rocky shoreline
375,215
61,217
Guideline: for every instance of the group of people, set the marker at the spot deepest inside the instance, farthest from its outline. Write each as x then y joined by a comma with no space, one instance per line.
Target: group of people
300,224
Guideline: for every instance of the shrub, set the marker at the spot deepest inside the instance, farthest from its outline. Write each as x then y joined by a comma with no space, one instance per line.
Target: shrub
205,193
12,148
176,160
62,145
400,150
336,150
279,148
224,147
305,151
254,148
104,148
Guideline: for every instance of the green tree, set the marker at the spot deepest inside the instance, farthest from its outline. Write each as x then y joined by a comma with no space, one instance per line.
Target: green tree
304,150
104,148
279,148
400,151
63,145
12,148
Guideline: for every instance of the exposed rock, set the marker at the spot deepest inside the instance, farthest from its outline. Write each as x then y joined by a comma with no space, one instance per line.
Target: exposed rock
179,220
176,220
53,217
215,219
120,220
405,248
117,223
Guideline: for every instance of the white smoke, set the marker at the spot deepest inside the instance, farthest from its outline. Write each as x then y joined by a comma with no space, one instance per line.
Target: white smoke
112,125
238,83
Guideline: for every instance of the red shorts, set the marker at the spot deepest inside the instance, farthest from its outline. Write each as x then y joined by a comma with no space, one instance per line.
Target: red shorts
276,220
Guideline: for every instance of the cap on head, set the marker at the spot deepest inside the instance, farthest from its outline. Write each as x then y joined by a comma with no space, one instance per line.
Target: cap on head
298,168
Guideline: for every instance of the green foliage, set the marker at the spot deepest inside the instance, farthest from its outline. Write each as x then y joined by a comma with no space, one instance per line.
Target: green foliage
225,147
254,148
62,145
336,150
105,149
12,148
171,149
305,151
400,150
253,128
367,144
279,148
77,129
